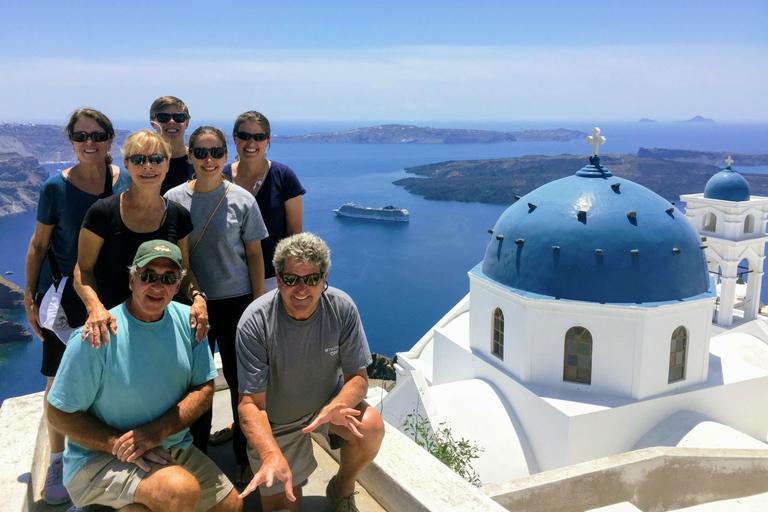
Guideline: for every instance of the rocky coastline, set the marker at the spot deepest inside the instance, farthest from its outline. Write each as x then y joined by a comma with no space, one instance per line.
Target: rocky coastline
20,180
11,297
502,181
410,134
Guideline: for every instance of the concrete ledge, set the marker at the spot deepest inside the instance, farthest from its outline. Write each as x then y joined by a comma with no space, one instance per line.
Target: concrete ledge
618,507
406,477
660,478
21,445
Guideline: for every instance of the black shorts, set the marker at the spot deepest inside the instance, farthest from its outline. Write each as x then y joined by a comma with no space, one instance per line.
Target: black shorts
53,349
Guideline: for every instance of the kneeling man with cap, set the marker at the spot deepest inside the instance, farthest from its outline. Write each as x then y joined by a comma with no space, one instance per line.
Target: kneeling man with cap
126,406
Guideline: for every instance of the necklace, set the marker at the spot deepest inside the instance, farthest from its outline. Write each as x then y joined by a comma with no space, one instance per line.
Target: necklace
259,183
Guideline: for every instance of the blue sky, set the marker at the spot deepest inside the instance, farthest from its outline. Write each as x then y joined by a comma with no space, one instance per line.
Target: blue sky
398,61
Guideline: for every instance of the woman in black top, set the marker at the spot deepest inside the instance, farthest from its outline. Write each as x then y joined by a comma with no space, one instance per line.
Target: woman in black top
114,228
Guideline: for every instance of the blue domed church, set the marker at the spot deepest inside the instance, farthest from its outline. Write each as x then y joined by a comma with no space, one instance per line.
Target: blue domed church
733,223
587,330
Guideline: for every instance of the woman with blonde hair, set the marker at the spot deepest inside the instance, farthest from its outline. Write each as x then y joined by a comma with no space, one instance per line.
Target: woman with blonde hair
114,228
225,255
52,254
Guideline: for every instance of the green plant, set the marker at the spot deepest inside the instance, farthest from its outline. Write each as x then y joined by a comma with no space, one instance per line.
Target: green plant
457,454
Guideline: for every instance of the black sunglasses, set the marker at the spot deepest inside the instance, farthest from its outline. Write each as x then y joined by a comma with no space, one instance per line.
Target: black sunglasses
166,279
94,136
309,280
217,152
140,159
164,118
258,137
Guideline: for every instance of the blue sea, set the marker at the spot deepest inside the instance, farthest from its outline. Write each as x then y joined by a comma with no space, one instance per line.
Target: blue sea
403,277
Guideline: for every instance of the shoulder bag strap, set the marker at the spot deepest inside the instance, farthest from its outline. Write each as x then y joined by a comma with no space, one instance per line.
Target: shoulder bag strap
209,219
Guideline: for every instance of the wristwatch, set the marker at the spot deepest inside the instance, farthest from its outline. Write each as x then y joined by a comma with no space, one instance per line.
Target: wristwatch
202,294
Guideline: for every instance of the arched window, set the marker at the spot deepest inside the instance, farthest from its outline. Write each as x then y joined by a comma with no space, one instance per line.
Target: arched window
497,341
710,222
749,224
577,366
677,349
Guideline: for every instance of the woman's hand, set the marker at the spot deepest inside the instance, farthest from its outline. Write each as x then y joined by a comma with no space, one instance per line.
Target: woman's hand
33,316
98,326
198,317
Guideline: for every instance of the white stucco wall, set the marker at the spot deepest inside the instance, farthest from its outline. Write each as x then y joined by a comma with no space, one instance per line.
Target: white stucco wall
630,351
567,426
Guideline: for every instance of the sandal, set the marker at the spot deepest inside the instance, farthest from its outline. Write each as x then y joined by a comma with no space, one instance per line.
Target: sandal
220,436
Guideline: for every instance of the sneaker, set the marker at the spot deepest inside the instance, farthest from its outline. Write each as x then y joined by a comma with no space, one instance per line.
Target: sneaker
74,508
54,492
340,504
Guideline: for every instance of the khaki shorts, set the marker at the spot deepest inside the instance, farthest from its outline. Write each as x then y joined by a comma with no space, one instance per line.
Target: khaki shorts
296,447
105,480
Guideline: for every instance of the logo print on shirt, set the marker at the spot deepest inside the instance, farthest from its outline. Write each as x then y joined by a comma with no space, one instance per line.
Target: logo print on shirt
332,351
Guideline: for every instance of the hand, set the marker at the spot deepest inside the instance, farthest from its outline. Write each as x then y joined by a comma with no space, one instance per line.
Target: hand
98,326
198,317
337,414
274,465
134,444
157,455
33,317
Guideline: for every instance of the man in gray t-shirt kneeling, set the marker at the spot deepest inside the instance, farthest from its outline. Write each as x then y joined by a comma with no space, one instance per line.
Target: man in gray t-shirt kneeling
302,356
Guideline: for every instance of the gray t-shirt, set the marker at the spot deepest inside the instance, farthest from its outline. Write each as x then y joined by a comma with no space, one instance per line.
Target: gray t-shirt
299,363
218,261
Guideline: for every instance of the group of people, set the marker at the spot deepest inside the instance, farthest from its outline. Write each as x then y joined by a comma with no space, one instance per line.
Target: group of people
178,248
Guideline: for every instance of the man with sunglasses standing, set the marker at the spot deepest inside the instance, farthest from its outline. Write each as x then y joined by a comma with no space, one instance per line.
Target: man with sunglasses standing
126,406
169,116
302,358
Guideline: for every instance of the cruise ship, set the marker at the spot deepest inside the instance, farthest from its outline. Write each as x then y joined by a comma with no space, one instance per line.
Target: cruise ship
390,212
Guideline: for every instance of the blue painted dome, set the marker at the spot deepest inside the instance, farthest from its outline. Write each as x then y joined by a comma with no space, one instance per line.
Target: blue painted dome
727,185
597,238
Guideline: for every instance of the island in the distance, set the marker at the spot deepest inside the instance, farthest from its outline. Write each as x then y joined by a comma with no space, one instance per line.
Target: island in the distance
669,173
698,119
409,134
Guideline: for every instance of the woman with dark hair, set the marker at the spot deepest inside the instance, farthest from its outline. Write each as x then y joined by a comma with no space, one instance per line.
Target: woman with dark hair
64,199
114,228
225,255
276,187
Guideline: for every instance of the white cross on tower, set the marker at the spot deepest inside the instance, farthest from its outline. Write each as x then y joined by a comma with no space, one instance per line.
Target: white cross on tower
595,139
728,161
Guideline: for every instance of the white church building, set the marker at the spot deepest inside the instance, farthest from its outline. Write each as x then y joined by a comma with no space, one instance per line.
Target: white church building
587,331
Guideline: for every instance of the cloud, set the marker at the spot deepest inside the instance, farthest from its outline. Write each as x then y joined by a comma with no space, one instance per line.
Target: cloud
408,83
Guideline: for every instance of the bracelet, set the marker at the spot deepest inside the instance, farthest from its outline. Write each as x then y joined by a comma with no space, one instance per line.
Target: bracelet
202,294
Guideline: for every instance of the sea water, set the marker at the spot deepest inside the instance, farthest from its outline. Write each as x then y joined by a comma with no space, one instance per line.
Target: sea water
403,276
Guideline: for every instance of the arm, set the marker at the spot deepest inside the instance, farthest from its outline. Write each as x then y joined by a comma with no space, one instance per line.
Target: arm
341,409
255,424
294,215
198,312
38,246
134,443
255,260
100,322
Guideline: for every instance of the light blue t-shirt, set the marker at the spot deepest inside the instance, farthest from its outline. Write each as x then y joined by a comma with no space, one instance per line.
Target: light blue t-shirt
218,261
139,375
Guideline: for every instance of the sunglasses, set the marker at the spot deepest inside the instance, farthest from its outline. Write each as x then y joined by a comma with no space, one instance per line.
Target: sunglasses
166,279
258,137
140,159
94,136
293,279
200,153
164,118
